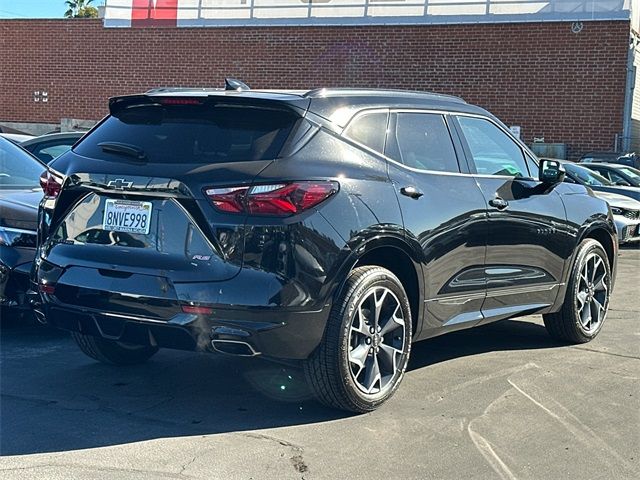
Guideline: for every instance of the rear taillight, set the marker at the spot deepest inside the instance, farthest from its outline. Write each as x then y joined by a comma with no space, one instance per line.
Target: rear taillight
179,101
47,288
50,183
194,309
279,200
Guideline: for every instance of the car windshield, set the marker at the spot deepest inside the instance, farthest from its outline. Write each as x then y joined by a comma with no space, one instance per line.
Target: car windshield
632,174
18,169
585,176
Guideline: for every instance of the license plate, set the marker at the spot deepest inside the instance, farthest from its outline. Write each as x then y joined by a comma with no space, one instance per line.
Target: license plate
127,216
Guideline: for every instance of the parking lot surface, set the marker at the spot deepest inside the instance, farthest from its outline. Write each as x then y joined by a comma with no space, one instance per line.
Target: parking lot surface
503,401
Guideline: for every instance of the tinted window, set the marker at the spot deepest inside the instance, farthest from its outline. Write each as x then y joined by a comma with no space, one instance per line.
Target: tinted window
422,141
370,130
199,134
492,150
602,171
18,169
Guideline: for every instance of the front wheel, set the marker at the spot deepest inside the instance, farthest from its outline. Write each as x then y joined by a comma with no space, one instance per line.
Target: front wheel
365,349
111,351
587,298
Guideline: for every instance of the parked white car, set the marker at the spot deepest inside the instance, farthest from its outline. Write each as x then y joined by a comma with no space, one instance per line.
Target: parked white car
626,214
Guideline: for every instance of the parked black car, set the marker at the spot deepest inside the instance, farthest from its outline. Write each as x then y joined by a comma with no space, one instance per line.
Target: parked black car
617,174
628,159
20,194
47,147
577,173
332,227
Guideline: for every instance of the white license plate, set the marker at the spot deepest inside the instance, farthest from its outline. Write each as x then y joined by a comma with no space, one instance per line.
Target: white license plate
127,216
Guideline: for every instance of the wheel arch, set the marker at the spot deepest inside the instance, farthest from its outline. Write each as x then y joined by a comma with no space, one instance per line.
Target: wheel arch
397,256
605,234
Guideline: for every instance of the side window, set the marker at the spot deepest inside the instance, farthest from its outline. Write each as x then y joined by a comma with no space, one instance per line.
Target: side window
370,130
422,141
493,152
613,176
534,169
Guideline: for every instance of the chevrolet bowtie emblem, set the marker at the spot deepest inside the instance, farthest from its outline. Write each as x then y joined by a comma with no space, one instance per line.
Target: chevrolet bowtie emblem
119,184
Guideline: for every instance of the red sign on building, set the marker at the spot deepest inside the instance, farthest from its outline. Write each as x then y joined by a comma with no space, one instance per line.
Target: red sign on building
154,13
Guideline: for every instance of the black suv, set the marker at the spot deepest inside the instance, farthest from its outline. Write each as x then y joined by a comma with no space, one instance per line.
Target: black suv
332,227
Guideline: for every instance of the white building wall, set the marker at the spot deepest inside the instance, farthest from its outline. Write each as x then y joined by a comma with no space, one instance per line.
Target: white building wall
635,108
212,13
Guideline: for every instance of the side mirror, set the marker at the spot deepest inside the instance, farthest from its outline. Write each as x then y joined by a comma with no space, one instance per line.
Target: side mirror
551,172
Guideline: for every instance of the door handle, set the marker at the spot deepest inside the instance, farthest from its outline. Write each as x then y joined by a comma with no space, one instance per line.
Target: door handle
499,203
411,192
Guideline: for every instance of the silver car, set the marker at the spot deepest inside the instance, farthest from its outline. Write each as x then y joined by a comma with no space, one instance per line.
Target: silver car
626,214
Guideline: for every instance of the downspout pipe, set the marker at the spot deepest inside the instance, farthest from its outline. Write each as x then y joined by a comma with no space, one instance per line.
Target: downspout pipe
628,96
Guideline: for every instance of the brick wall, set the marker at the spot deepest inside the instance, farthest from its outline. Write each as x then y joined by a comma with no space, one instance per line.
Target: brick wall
562,86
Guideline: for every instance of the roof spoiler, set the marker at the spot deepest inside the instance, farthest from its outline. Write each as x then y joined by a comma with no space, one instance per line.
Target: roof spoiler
118,104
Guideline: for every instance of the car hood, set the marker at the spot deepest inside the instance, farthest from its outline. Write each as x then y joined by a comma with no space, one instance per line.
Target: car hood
19,208
620,201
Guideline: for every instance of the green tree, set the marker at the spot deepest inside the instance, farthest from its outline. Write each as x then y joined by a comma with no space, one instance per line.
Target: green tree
80,9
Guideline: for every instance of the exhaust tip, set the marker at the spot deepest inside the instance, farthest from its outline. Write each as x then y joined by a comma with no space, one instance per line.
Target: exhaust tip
236,348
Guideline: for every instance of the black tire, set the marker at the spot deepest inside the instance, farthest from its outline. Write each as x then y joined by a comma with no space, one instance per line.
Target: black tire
113,352
567,325
329,370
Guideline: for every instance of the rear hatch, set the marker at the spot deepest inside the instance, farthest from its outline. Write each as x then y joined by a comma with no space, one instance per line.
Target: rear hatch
133,217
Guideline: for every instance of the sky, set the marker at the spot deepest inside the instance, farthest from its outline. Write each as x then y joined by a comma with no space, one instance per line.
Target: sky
35,8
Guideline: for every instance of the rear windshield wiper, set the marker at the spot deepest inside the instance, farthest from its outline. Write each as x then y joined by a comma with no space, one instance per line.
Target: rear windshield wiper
123,149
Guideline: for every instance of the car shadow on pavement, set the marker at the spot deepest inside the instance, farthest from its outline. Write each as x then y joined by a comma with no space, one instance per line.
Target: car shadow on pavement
501,336
54,399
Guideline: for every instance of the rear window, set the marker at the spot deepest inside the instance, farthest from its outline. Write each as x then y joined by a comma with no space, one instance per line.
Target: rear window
197,134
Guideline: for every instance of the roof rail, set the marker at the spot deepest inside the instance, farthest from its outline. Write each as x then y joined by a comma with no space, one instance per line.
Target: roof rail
328,92
176,89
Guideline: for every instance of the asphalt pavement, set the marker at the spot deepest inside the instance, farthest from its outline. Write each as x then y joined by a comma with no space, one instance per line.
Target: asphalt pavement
503,401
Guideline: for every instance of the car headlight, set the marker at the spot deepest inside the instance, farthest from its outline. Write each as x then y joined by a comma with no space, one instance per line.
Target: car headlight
15,237
617,211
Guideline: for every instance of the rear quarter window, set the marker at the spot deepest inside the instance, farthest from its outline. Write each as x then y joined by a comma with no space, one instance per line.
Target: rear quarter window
195,134
370,130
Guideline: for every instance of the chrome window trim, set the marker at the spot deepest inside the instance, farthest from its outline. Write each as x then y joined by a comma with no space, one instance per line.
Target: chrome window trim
18,230
391,110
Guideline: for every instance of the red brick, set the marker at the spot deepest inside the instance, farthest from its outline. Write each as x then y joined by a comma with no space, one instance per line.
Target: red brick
562,86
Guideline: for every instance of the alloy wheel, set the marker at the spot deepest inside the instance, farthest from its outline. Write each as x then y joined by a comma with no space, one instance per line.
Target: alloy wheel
376,341
593,293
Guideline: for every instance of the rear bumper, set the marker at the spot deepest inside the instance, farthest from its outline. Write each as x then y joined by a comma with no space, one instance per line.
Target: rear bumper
275,333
